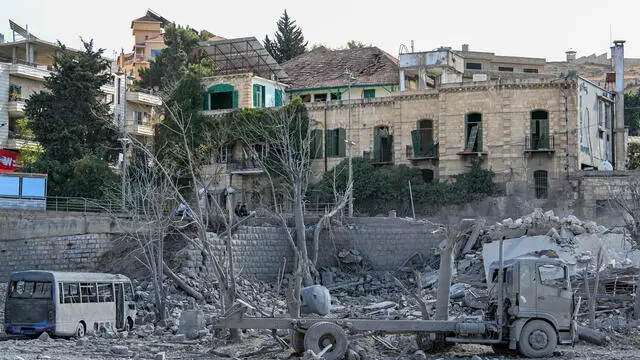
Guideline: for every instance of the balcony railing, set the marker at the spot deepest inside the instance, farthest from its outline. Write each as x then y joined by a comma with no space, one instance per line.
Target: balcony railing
253,166
537,143
431,152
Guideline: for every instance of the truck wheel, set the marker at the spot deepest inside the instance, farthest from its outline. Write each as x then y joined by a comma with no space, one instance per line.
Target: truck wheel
297,341
538,339
321,334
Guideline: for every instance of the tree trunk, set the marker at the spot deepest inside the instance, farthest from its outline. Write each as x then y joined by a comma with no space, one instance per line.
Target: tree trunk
444,281
300,231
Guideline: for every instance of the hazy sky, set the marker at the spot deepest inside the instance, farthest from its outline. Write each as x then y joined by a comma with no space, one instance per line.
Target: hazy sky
543,28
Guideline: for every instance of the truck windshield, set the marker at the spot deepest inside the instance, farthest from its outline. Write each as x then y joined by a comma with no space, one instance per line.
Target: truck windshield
30,289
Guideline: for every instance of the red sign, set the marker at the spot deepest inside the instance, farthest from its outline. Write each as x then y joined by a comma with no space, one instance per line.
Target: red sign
8,160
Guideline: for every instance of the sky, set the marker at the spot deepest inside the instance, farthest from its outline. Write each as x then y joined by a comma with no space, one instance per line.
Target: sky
542,28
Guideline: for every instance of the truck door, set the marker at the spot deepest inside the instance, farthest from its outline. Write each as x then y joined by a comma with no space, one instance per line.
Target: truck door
554,297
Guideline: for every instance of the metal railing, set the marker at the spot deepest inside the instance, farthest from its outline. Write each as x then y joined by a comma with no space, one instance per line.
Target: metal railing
539,143
430,153
84,205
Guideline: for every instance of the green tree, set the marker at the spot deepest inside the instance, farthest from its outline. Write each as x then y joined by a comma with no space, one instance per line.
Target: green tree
632,112
633,154
354,44
288,41
70,119
168,67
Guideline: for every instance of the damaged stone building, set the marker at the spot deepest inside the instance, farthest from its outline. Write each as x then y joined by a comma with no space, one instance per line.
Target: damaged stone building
530,128
438,111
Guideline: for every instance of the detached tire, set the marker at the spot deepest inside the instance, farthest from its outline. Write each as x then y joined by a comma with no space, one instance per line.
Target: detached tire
321,334
80,331
538,339
297,341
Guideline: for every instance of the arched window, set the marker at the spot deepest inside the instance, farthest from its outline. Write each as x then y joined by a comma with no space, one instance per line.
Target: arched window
541,184
422,139
539,130
473,132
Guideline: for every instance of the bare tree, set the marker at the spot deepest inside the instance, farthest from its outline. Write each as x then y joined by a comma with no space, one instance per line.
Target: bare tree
286,132
626,197
149,201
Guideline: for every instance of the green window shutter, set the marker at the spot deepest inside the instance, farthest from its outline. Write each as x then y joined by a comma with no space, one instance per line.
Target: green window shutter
316,144
262,96
331,143
205,101
479,137
415,140
234,100
278,97
255,95
544,134
342,136
388,154
473,137
377,142
370,93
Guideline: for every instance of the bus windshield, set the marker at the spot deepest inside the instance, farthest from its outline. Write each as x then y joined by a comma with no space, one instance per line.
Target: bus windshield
30,289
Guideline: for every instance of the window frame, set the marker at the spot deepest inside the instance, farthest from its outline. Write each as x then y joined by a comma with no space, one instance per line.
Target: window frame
469,124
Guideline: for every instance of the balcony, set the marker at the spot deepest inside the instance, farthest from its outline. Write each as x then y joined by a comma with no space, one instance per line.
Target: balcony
245,166
144,98
143,129
15,108
430,153
536,144
29,70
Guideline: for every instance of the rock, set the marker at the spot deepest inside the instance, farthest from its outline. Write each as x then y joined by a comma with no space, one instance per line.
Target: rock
548,215
476,357
119,349
566,235
577,229
419,355
591,227
44,336
507,221
380,305
315,300
571,219
457,291
553,233
159,356
82,341
191,321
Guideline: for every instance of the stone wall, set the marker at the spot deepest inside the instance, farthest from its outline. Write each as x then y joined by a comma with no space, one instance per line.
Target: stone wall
384,243
66,253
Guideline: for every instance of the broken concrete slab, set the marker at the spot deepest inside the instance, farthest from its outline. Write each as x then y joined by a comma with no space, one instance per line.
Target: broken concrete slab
191,321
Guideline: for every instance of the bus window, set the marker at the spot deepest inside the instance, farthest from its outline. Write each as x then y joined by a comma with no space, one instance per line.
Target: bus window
71,294
88,292
105,293
30,289
128,292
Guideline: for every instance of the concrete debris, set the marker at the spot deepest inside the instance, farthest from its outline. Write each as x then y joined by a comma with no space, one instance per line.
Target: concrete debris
44,336
348,291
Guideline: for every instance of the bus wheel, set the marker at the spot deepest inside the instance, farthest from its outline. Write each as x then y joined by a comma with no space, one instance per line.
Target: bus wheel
80,330
129,325
322,334
538,339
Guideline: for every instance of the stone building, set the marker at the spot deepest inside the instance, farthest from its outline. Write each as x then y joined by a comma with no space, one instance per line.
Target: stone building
532,130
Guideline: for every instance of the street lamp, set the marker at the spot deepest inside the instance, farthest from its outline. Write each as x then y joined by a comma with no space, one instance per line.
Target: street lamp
348,76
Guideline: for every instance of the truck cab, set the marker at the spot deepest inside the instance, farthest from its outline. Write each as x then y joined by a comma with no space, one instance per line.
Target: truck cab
538,304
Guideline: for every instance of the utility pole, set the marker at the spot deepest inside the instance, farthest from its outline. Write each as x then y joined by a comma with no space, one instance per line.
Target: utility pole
122,99
350,78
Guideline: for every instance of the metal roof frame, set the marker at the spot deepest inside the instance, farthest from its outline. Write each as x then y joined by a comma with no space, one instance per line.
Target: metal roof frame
241,55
